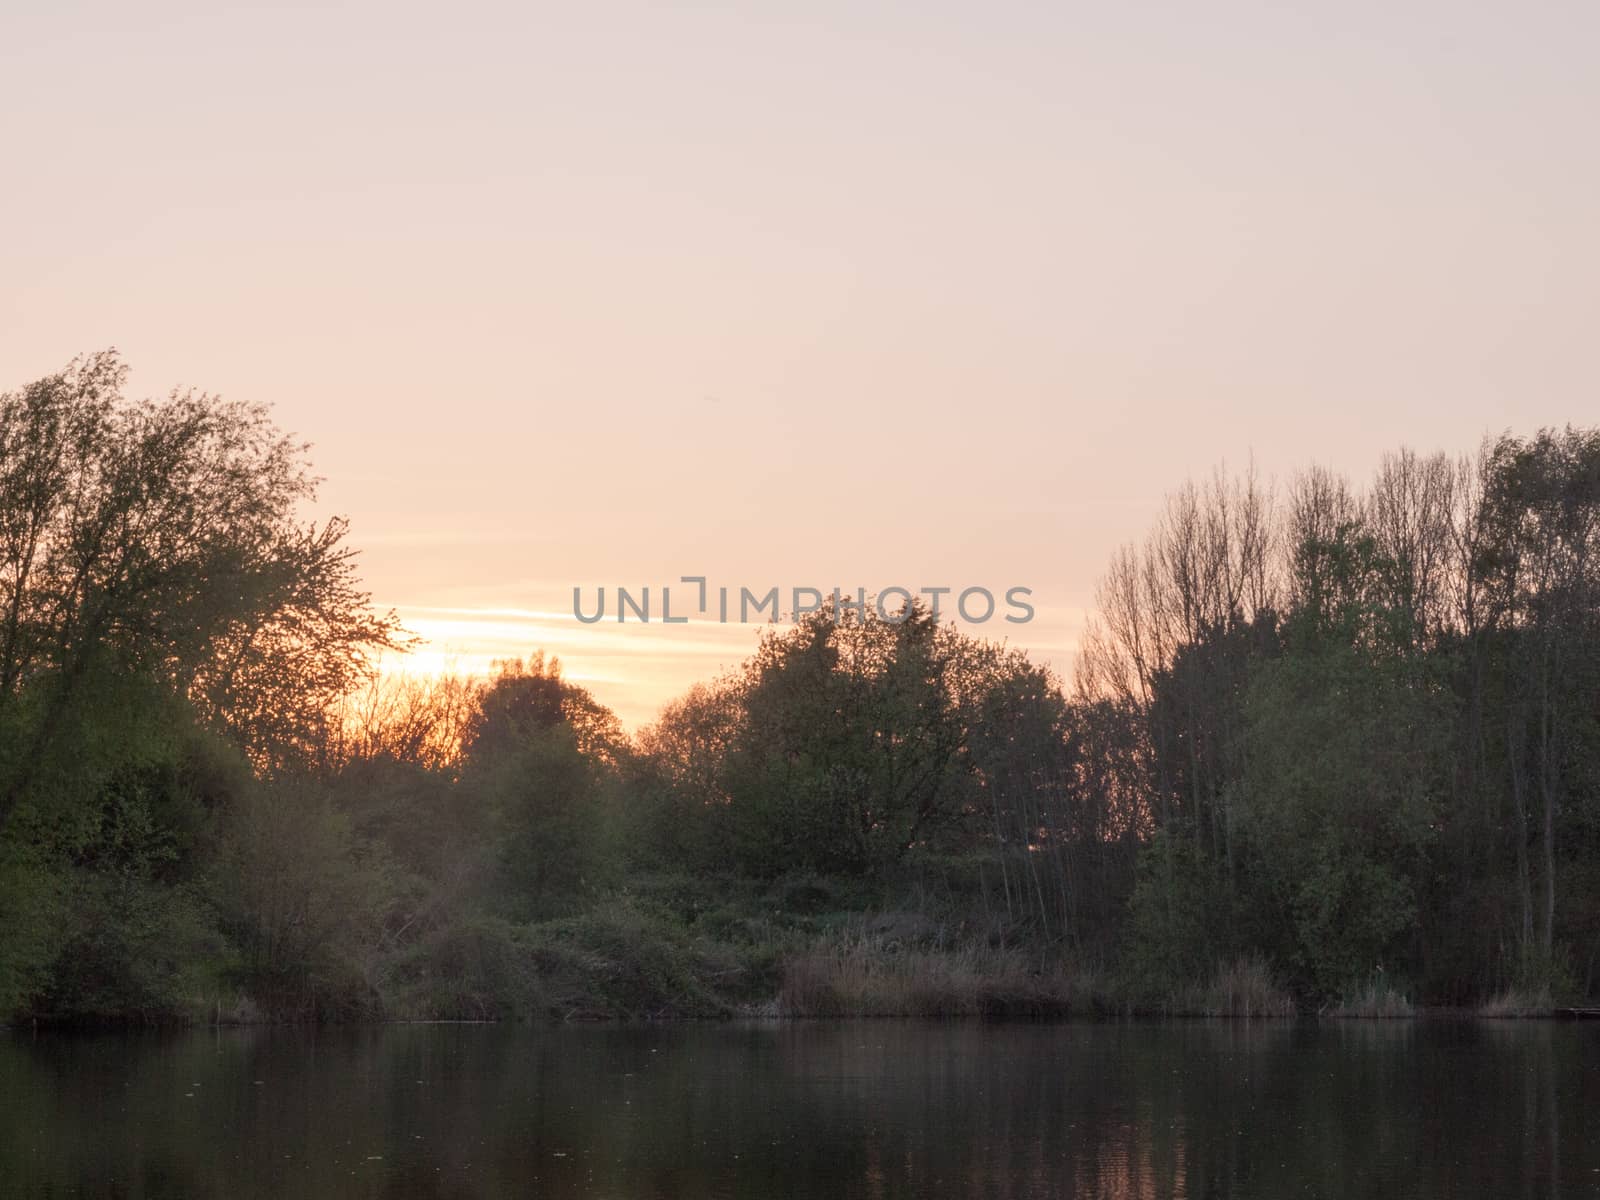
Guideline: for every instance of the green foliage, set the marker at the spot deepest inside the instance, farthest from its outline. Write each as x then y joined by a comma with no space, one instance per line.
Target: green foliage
1340,801
529,698
111,922
620,959
552,825
304,901
30,921
844,744
1181,916
477,968
161,541
1311,757
130,948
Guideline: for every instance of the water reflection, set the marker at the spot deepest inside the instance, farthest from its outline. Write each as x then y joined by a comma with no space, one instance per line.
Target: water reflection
863,1109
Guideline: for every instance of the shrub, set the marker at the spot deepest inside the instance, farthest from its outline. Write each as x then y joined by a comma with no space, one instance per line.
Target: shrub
622,960
477,969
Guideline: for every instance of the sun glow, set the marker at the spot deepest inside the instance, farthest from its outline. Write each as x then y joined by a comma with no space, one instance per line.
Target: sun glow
634,668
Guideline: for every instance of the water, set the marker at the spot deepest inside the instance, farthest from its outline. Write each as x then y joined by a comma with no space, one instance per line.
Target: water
856,1109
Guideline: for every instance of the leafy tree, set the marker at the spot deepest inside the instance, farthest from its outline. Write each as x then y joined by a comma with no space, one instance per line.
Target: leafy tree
1339,803
678,815
161,539
542,757
852,742
162,607
1345,776
553,823
1537,571
528,697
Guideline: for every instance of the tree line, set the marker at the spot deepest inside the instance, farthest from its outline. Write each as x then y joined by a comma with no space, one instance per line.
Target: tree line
1352,734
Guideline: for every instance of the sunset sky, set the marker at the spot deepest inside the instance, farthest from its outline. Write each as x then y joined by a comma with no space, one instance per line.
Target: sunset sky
803,295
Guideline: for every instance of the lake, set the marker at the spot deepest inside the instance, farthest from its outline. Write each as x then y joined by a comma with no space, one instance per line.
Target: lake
852,1109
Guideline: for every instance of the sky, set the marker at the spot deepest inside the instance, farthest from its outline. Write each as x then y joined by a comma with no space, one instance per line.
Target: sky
855,295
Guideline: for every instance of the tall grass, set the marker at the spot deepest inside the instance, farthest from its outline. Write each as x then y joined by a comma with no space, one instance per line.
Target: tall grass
1519,1002
1378,1000
863,974
1245,987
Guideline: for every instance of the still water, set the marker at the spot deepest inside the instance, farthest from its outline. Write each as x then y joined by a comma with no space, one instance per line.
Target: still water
857,1109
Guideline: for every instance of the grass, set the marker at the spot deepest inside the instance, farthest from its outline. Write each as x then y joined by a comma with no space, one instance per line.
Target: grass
1378,1000
1518,1002
862,973
1245,987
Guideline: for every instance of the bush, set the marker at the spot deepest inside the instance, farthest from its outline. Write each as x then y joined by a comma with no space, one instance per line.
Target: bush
304,901
130,950
477,969
622,960
30,904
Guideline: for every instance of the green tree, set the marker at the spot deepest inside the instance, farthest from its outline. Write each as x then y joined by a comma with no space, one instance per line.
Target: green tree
161,539
1346,746
1537,571
542,756
851,746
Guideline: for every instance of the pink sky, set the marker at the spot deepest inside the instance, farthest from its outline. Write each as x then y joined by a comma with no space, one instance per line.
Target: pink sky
855,295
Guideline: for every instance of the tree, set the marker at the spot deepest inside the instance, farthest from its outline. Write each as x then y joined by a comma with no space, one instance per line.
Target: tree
678,814
1538,571
161,538
542,756
528,697
1338,804
852,745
